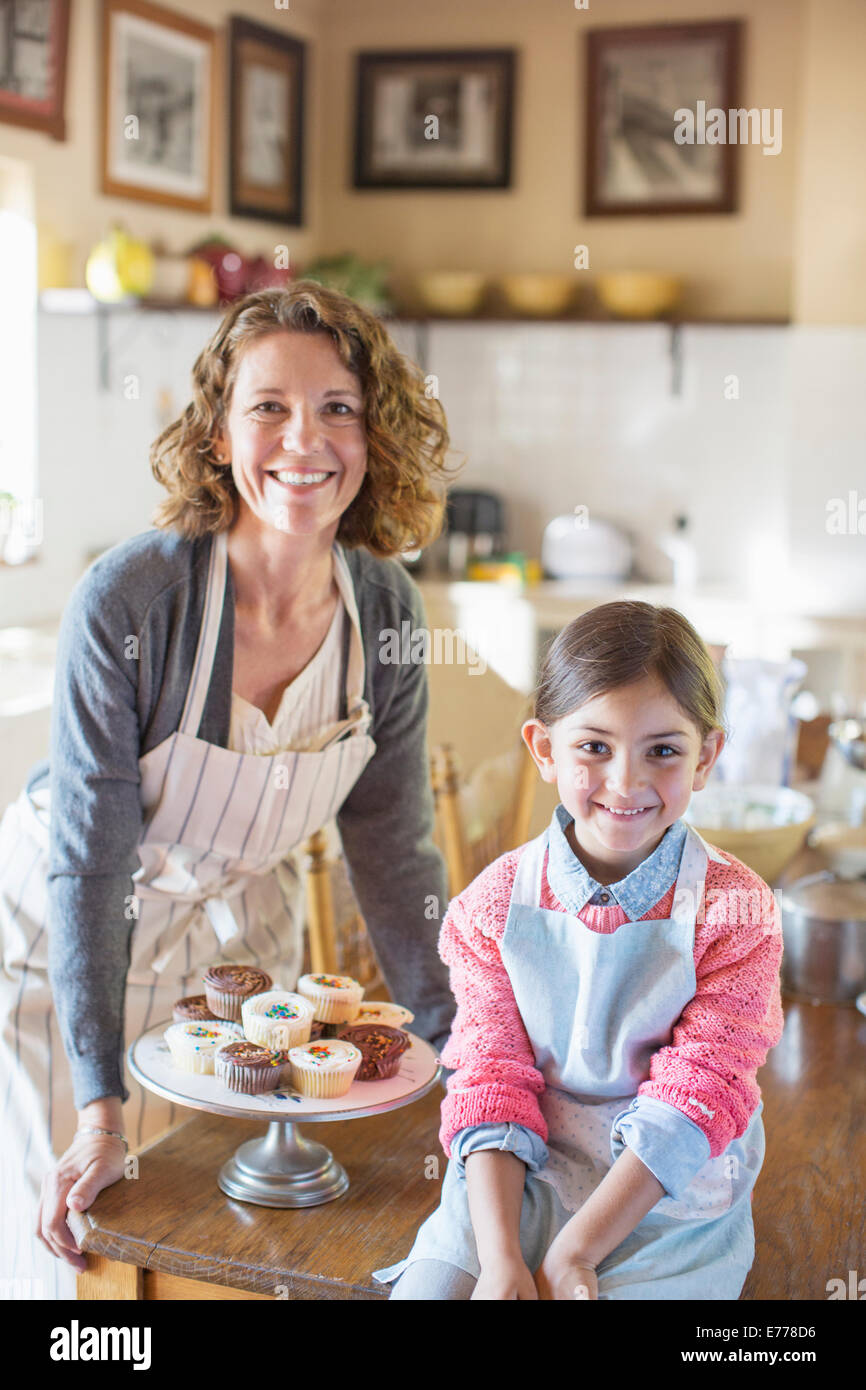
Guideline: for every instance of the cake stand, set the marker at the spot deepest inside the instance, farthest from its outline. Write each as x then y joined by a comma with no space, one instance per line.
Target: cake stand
283,1168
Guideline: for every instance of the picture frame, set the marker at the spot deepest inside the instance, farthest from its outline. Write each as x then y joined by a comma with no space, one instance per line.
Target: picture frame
266,123
434,119
34,40
636,78
157,105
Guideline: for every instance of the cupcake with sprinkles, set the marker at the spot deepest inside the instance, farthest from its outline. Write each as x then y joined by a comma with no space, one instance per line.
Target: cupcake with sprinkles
334,998
192,1009
277,1019
249,1068
193,1046
382,1011
324,1069
227,987
381,1048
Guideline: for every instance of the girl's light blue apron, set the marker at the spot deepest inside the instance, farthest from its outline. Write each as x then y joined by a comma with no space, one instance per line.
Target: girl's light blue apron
596,1007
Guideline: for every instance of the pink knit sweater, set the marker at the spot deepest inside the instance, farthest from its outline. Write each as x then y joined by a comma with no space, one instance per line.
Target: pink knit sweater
718,1043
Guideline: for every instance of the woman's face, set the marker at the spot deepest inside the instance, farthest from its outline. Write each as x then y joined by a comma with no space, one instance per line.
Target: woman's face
294,433
625,765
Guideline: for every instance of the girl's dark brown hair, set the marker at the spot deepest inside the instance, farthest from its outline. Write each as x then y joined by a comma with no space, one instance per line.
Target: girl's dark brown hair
400,504
617,644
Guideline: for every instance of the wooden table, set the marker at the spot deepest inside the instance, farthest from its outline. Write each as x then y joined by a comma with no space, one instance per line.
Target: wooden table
172,1234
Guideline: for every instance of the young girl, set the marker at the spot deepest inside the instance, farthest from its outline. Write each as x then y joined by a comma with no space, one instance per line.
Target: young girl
617,986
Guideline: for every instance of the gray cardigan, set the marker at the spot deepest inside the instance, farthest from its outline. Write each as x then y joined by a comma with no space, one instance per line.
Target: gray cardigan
110,710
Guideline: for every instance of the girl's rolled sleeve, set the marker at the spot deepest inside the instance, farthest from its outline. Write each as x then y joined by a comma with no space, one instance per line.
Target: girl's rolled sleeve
664,1139
524,1143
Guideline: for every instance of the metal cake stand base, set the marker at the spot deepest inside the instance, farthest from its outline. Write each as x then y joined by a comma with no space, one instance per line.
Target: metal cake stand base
284,1169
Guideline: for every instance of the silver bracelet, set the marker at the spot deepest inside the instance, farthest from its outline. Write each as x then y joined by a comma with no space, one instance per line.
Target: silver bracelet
92,1129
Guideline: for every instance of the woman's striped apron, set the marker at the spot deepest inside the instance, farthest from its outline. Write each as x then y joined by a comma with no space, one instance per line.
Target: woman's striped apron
218,882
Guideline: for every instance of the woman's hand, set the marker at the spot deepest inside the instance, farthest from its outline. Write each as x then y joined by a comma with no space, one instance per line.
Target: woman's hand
92,1162
564,1273
507,1278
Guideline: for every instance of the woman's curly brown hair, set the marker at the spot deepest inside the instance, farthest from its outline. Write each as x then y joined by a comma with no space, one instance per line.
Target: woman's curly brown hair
401,501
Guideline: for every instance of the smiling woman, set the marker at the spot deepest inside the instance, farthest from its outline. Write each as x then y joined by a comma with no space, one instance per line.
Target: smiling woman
219,696
398,506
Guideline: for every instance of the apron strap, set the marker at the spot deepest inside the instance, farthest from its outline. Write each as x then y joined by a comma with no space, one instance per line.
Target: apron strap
356,670
526,888
208,637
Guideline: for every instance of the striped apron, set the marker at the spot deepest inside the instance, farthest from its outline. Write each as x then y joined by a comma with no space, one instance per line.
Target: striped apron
218,881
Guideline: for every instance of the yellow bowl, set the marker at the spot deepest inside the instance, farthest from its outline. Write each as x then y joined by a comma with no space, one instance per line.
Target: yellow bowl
638,294
451,292
726,815
541,295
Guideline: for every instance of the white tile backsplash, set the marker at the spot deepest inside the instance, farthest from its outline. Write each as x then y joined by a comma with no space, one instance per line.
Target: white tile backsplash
550,415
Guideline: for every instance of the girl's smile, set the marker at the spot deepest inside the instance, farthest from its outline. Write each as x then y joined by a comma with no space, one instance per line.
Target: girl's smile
625,764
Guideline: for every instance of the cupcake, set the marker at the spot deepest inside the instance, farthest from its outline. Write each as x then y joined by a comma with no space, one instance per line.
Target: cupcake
193,1009
227,987
247,1067
324,1069
193,1046
334,997
380,1011
278,1019
381,1049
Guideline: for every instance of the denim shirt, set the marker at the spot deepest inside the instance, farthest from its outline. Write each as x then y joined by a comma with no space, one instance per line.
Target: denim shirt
671,1145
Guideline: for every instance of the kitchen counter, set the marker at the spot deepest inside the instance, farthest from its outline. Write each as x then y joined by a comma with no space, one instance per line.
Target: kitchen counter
509,625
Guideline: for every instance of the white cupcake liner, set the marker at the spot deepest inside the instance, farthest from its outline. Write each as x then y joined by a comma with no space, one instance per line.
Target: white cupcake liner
321,1083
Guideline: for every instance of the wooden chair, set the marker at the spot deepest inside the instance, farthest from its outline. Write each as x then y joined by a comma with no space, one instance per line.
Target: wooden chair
336,941
468,836
472,834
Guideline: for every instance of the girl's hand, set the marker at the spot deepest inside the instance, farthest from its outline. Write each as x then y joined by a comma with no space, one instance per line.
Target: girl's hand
92,1162
507,1278
562,1276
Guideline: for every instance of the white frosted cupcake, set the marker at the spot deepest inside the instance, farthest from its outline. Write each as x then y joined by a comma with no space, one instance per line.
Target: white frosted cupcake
334,997
383,1011
278,1019
193,1046
326,1068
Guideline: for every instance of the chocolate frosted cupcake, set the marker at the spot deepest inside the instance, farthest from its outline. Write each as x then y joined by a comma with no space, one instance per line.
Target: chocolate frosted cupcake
226,988
381,1049
193,1009
247,1067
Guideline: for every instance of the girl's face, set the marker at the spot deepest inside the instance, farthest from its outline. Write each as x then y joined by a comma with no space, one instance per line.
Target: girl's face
625,765
295,433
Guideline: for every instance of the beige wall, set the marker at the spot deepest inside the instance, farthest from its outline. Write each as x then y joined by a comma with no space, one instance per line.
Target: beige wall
795,248
68,200
738,265
830,242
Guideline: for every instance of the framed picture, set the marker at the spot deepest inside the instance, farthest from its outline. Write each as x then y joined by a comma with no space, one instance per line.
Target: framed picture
434,119
158,107
33,41
636,80
266,115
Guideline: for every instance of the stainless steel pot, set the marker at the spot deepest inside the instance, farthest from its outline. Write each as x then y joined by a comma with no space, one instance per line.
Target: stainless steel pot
824,933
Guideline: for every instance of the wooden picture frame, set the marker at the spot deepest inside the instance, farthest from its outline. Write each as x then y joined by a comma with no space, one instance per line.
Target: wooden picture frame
397,145
34,42
266,123
157,105
633,166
